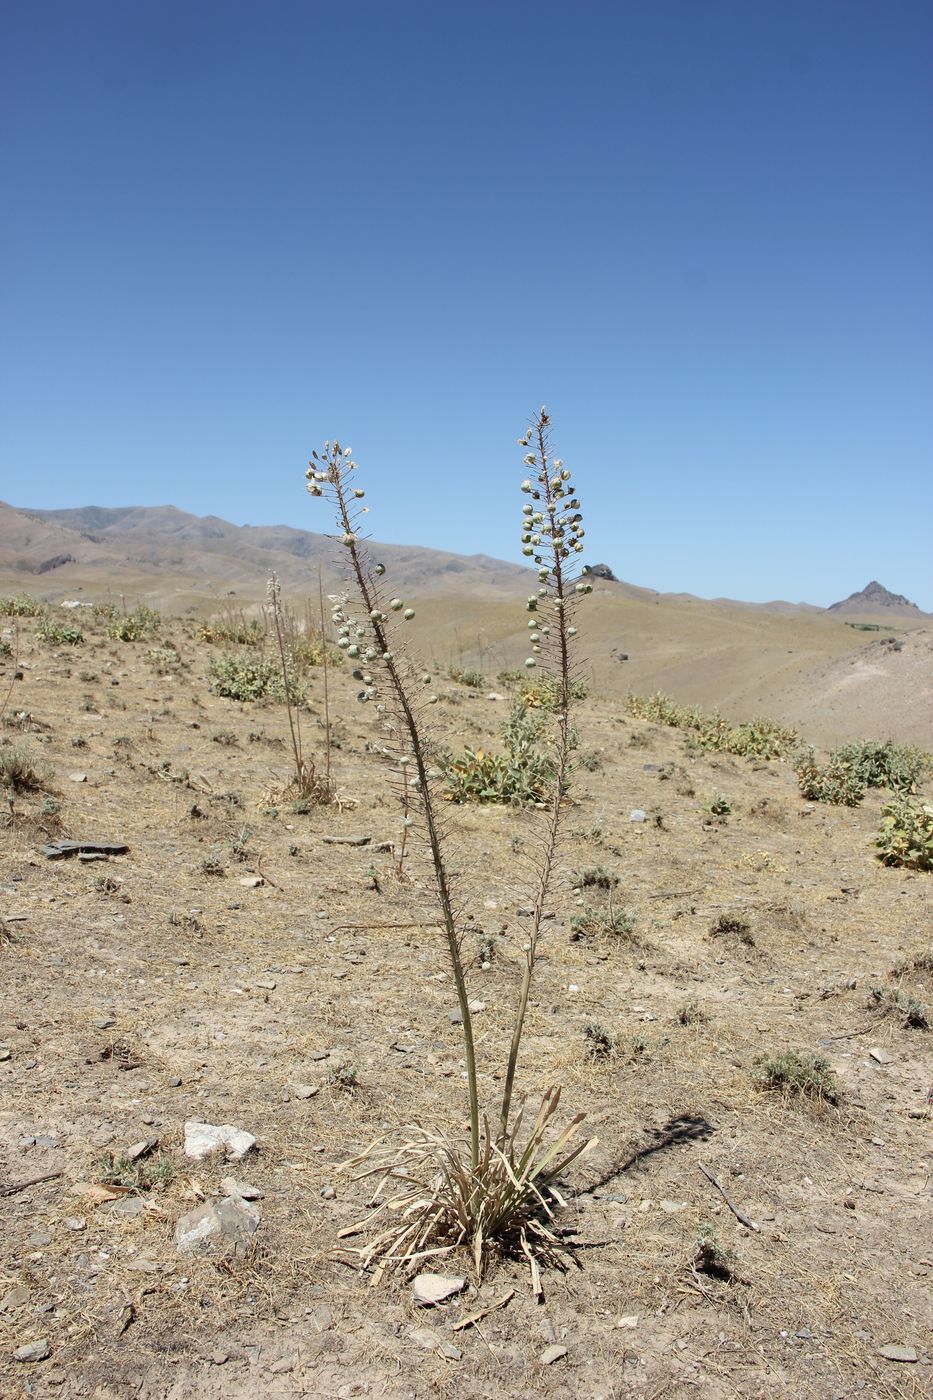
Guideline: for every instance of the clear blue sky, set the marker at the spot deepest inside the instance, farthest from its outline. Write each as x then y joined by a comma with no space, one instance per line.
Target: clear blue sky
701,231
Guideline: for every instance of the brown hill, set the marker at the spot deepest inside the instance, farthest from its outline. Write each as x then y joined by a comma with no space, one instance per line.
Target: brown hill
801,664
876,600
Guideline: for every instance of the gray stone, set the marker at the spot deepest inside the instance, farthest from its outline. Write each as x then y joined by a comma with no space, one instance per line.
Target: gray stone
233,1187
551,1354
638,815
129,1207
880,1056
32,1351
449,1352
283,1366
304,1091
16,1297
893,1352
206,1227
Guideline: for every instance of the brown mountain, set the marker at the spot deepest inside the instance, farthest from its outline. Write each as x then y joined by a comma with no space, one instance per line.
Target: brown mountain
876,600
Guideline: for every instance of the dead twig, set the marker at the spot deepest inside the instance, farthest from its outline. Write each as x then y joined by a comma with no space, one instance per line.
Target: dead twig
483,1312
16,1186
739,1214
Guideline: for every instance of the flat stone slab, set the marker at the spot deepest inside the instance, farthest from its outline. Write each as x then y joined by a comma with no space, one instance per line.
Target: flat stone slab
430,1289
59,850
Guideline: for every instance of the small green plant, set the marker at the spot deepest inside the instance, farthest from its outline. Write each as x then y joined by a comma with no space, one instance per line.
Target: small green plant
541,692
165,661
692,1014
720,806
797,1076
58,633
609,922
891,1001
521,775
249,677
601,1044
836,781
136,626
709,1257
905,837
210,865
899,767
146,1173
594,877
226,737
474,680
21,606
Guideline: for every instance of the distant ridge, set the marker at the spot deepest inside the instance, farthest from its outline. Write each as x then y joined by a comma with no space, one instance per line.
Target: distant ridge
875,598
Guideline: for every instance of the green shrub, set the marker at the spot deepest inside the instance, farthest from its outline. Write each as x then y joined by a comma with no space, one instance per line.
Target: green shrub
900,767
543,692
802,1076
58,633
249,677
142,622
521,775
836,781
474,679
906,834
21,606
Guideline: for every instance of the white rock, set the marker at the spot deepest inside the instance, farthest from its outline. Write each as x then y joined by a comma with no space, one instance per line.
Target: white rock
430,1289
204,1139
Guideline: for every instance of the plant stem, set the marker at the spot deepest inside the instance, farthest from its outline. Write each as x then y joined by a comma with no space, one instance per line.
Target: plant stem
369,597
276,601
325,664
561,778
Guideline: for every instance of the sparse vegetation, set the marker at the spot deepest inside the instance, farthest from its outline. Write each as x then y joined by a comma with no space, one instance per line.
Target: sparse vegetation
709,1257
906,834
521,775
21,606
19,771
58,634
136,626
474,680
733,926
250,677
891,1001
836,781
231,630
601,1044
797,1075
757,738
